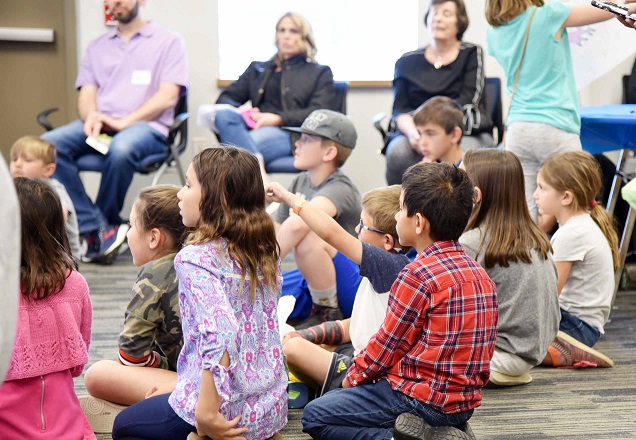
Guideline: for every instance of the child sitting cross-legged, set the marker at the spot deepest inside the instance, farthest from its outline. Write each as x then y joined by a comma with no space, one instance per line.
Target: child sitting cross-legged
380,257
430,358
515,253
586,256
151,336
326,281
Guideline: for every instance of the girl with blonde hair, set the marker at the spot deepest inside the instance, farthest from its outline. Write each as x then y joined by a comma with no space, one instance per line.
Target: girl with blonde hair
586,255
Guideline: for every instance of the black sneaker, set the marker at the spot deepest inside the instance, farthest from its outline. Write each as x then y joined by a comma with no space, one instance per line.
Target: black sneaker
409,426
103,244
320,314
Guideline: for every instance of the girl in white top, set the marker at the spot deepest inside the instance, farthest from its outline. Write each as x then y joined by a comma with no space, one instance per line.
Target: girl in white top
585,252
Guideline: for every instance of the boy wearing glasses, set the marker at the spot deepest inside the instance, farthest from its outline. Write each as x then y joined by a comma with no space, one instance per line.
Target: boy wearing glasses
326,281
380,257
427,363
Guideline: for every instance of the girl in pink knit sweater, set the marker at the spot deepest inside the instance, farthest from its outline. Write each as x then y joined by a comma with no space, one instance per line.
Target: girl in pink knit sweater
37,398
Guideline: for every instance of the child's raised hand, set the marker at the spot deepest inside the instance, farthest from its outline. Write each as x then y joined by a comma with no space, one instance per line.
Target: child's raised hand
217,427
277,193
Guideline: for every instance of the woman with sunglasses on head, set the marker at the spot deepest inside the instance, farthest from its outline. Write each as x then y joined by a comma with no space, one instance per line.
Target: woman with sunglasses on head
282,91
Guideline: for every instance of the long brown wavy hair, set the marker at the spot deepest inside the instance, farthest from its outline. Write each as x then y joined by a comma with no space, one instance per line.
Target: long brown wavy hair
502,213
580,173
233,207
46,254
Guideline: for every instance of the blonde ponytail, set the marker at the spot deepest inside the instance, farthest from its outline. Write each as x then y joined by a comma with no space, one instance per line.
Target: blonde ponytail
608,227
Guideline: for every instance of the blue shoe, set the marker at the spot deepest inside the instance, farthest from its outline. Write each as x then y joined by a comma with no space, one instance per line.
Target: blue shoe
298,395
103,244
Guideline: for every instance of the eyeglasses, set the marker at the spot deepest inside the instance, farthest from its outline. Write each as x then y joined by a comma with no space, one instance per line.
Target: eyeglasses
363,226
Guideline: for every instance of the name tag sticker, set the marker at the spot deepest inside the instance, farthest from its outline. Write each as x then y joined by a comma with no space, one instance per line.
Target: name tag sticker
141,77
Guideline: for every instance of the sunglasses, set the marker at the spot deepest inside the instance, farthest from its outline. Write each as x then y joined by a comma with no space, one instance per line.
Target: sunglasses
363,226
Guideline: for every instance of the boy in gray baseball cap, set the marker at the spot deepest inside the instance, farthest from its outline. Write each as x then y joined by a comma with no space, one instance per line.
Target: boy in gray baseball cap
326,281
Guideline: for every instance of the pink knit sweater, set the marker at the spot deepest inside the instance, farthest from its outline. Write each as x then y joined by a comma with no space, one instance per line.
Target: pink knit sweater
53,334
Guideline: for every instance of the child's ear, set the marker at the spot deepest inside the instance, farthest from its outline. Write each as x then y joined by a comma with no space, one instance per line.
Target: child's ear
389,242
421,224
567,198
156,238
330,153
456,135
49,170
477,196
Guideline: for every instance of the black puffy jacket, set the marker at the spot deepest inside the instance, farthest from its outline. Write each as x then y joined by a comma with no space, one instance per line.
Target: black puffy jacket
305,87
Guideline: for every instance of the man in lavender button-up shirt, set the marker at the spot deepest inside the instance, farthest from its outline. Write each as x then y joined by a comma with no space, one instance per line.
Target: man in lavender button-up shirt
129,82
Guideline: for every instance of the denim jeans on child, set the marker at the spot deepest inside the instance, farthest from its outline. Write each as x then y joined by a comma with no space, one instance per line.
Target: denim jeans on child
127,150
271,142
368,412
578,329
152,419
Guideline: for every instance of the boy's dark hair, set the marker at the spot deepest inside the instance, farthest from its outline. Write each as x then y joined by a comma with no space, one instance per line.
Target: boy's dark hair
443,194
442,111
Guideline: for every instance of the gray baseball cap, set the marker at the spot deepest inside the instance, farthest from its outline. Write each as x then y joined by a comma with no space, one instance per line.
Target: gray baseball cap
330,125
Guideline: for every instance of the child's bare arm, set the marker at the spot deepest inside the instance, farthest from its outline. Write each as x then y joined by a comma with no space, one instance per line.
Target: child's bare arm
582,15
563,271
318,216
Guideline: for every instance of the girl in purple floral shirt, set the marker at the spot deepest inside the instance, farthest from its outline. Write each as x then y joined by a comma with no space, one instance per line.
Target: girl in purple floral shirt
231,379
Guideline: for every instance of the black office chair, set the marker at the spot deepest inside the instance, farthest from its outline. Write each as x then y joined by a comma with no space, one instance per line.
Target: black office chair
492,101
160,162
286,164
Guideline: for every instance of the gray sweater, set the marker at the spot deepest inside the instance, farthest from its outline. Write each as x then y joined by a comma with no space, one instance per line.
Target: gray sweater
529,311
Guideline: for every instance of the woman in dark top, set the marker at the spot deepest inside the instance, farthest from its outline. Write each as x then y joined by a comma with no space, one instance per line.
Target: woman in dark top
446,67
283,92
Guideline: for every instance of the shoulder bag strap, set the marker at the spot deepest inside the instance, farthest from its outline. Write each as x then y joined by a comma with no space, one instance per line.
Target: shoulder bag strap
516,81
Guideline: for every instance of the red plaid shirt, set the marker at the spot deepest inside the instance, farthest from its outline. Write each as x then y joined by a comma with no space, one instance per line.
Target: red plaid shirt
439,333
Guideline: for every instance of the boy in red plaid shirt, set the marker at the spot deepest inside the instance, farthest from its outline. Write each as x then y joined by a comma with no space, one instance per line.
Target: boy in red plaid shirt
431,357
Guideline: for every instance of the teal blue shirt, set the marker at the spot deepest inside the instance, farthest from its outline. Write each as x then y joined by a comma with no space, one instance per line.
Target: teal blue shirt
546,91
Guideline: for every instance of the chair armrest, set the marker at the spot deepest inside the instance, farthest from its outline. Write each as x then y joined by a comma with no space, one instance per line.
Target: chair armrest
179,120
377,123
43,118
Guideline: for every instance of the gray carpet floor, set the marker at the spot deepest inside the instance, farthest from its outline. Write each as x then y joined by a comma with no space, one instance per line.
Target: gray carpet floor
558,404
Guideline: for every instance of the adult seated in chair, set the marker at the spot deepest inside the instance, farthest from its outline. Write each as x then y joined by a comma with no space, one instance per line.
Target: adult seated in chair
283,91
446,67
129,83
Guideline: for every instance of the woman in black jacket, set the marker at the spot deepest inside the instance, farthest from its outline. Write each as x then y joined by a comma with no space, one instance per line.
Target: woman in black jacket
446,67
283,92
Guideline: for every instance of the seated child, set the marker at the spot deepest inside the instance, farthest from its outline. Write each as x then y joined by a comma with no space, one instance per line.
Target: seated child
36,158
431,355
37,398
505,241
325,279
586,255
151,336
380,258
231,380
440,122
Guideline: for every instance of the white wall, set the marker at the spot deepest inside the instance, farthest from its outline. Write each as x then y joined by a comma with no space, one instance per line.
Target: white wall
196,21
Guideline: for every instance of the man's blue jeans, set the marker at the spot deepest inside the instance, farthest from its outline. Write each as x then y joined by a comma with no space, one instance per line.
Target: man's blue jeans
368,412
127,150
271,142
